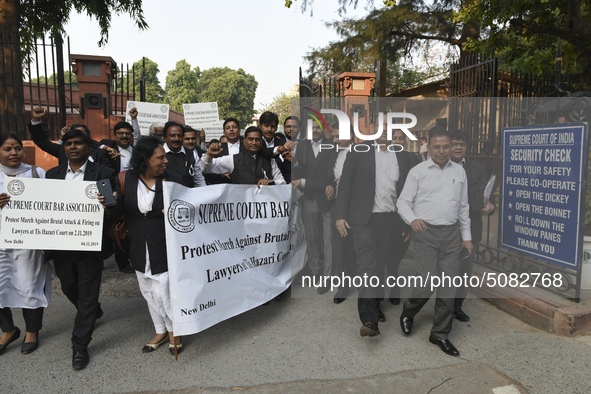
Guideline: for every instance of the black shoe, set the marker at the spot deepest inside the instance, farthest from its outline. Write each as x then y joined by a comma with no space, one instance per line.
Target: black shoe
30,347
445,345
15,336
394,301
179,348
322,289
369,330
405,324
127,269
381,316
341,295
461,316
80,359
99,312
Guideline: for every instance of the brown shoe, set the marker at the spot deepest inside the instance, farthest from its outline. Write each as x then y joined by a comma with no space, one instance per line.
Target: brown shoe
369,330
381,316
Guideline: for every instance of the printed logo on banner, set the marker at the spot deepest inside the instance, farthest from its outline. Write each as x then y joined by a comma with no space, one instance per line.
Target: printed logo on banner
91,191
181,216
214,105
130,104
187,107
163,109
16,187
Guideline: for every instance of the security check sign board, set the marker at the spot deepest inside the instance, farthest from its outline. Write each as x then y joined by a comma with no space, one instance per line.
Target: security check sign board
50,214
228,250
543,175
148,113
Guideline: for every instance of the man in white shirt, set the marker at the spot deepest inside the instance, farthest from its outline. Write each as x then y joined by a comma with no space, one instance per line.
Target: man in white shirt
80,272
248,167
434,202
372,179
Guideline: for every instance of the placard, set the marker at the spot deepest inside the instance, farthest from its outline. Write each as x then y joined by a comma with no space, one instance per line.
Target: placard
51,214
199,114
148,113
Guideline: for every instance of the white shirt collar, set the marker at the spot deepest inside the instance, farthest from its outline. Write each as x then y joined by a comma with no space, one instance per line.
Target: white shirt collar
432,163
83,168
167,149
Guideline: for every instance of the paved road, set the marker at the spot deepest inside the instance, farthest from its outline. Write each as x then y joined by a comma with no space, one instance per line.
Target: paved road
297,345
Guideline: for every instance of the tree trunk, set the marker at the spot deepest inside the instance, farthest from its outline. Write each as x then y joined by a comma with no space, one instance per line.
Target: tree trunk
12,100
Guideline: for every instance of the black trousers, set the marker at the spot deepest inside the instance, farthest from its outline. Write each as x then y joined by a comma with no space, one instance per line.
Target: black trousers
343,251
374,247
121,257
80,275
33,319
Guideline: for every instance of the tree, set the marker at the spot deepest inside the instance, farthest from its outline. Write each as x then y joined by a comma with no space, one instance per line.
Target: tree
69,79
282,104
22,21
182,86
234,91
524,33
430,62
398,29
154,92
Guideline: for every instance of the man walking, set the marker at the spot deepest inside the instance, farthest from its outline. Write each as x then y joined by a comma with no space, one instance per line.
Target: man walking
80,272
434,202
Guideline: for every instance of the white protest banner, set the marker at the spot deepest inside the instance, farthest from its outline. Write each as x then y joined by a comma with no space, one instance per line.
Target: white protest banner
201,114
228,250
51,214
148,113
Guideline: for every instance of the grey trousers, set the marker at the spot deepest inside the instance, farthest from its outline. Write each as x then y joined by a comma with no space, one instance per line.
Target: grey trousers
436,251
318,234
465,268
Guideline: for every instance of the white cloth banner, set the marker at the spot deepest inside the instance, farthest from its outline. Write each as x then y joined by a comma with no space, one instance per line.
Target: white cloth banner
148,113
230,249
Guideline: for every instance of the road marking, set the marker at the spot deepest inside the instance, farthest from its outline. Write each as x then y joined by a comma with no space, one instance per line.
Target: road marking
506,390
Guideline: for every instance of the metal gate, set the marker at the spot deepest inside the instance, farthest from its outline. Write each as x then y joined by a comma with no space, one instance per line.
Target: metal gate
502,99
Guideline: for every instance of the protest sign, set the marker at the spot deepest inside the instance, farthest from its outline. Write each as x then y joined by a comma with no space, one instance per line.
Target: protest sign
201,114
229,250
204,116
51,214
148,113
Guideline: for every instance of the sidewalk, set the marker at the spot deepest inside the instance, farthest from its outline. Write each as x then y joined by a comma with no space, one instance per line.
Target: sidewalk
297,345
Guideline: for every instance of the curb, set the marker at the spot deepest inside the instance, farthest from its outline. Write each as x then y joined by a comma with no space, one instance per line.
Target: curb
538,308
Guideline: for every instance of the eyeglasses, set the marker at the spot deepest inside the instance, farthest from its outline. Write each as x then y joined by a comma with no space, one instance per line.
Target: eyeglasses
122,134
460,144
290,127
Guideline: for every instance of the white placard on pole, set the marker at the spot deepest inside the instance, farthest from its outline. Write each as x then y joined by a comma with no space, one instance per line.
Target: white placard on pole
148,113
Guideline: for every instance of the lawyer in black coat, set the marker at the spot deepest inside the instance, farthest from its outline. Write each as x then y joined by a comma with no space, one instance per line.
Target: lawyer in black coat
380,239
142,201
80,272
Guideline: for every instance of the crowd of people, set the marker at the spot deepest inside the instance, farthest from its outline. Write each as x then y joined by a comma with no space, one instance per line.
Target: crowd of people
360,209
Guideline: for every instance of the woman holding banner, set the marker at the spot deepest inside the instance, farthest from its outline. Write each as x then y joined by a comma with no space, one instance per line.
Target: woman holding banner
140,197
25,279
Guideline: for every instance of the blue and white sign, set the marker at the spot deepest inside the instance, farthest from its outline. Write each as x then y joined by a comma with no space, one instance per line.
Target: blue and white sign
541,187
